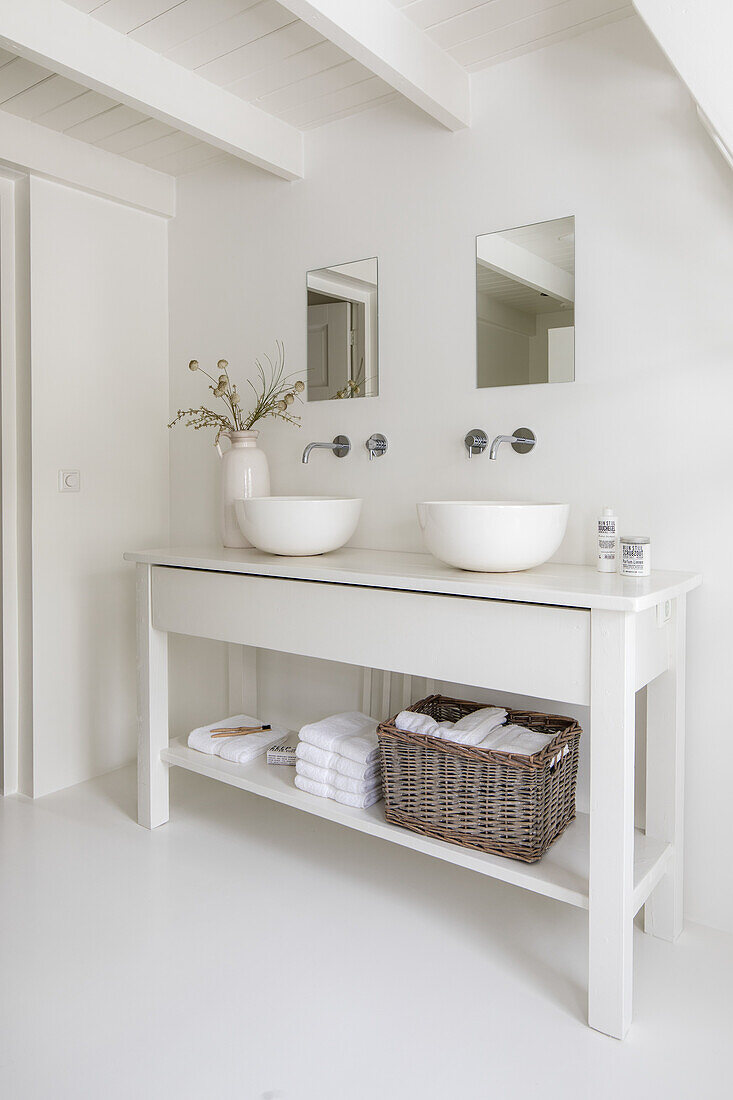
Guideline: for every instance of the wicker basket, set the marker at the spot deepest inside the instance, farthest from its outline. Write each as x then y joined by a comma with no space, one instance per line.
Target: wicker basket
492,801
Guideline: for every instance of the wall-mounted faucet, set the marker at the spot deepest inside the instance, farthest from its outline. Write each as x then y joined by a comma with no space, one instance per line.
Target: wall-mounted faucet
376,445
522,441
476,442
340,447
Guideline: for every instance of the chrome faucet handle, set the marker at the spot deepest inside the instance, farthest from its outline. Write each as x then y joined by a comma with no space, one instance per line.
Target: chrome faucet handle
476,442
341,446
376,445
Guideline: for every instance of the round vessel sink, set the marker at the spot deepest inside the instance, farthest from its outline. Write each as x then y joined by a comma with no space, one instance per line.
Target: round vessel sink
298,526
492,536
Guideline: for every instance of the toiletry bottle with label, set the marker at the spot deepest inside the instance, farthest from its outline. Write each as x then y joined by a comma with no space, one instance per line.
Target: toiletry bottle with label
635,556
607,544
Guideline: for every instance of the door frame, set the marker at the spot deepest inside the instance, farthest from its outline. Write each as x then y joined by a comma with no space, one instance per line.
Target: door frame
337,285
15,480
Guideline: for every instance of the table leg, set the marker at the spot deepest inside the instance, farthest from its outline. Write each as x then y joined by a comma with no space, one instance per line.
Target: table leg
152,708
367,685
611,821
242,669
665,780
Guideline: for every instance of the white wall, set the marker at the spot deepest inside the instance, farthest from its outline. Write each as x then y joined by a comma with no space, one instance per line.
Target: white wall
99,351
598,127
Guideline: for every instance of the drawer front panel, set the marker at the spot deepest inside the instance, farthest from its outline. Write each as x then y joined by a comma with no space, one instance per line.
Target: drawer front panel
522,648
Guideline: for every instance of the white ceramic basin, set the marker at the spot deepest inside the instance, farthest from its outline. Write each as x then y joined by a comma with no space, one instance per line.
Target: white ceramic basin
492,536
298,526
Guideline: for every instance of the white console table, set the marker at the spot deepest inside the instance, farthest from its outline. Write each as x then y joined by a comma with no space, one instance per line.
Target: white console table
559,632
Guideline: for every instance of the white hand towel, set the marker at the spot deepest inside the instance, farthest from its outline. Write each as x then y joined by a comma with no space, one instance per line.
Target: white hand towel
334,761
411,721
202,740
240,750
346,798
517,740
331,778
474,727
237,749
351,734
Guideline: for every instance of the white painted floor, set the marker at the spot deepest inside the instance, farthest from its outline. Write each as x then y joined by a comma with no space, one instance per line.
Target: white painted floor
246,950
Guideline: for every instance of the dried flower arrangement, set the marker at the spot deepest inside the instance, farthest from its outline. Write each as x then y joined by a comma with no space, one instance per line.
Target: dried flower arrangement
274,394
353,386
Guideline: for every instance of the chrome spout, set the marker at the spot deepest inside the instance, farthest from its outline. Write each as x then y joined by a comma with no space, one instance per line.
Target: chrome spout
341,446
522,441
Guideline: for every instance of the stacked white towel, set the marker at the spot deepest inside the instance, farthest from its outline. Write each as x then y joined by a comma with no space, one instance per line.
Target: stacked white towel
338,758
334,761
330,778
238,750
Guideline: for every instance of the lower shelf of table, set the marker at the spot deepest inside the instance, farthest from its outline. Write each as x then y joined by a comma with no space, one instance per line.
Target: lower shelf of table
562,873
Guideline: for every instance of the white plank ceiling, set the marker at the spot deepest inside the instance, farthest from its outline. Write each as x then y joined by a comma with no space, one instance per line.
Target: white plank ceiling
259,51
482,34
553,241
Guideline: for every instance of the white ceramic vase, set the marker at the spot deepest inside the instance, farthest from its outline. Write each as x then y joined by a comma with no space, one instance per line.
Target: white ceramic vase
244,473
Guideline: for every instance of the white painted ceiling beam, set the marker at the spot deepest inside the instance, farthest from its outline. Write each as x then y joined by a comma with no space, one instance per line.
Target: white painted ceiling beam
498,254
28,147
696,37
380,37
69,42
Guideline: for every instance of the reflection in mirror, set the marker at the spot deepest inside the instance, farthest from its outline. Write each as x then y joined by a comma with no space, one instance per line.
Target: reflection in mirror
525,305
343,352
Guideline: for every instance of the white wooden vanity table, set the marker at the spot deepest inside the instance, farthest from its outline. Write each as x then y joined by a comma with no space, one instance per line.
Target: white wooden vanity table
559,632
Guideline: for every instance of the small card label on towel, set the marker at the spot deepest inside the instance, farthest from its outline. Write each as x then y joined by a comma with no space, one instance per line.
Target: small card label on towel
283,752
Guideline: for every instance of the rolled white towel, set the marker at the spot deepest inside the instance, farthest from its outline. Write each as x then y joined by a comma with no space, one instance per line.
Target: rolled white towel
346,798
351,734
238,750
493,740
517,739
331,778
474,727
412,721
334,761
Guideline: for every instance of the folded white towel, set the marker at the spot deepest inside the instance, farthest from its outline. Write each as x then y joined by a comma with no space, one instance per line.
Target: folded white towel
412,721
474,727
238,750
202,740
334,761
351,734
346,798
332,778
517,740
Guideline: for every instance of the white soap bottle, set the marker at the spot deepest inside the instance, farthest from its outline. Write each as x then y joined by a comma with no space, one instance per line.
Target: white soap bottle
607,542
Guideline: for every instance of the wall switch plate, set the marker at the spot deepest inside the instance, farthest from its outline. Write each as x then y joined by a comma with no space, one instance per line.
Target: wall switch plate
664,612
69,481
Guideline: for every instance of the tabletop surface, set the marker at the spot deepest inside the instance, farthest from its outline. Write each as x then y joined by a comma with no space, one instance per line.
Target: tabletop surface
553,583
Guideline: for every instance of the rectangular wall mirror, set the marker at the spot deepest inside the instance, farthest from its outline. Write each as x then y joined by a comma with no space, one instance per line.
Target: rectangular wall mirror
343,331
525,305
